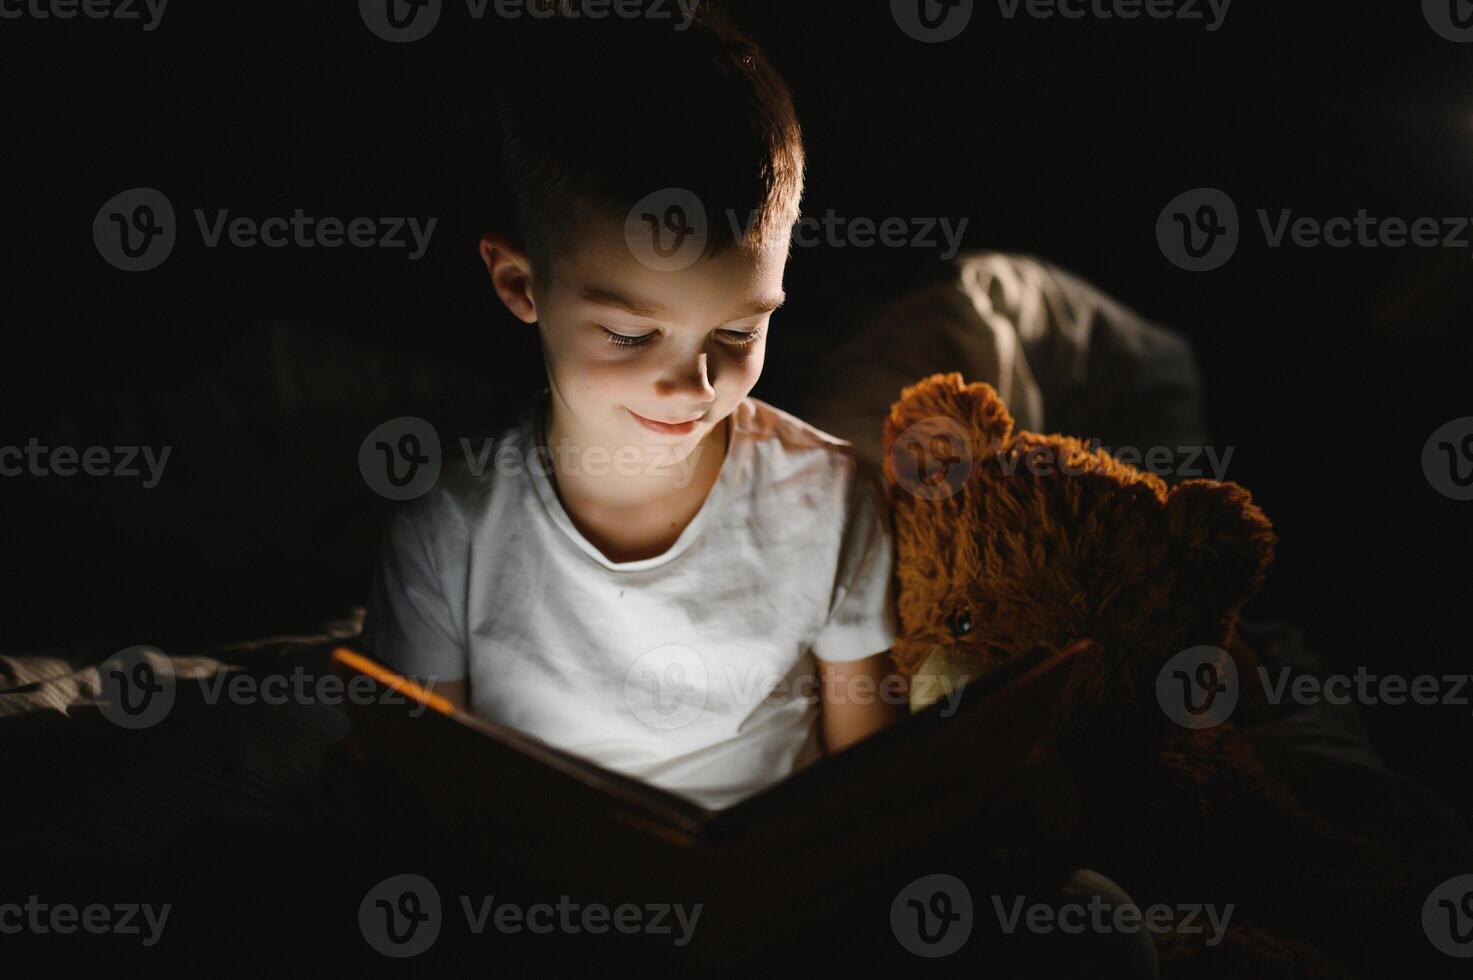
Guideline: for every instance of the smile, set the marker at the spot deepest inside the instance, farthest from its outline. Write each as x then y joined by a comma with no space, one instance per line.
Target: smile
667,428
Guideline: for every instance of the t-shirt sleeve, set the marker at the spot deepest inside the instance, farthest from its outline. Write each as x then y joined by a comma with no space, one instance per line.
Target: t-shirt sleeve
410,627
862,618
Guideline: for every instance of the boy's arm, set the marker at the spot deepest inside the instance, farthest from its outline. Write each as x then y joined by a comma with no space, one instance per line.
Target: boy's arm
859,698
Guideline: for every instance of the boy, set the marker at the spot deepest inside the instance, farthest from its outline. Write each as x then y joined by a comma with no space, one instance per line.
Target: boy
698,593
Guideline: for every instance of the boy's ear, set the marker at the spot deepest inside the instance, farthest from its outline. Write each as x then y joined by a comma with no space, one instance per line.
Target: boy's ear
511,274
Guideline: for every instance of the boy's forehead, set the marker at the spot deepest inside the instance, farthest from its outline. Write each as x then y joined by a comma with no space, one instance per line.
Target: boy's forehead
599,265
635,305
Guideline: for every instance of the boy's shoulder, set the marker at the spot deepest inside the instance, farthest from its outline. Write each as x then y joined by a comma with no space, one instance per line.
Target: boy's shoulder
781,435
468,475
765,422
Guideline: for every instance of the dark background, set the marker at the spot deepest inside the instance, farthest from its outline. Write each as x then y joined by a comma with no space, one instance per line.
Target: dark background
1327,369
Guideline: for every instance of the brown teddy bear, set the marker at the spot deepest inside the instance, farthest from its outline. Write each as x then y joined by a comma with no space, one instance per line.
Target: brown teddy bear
1007,542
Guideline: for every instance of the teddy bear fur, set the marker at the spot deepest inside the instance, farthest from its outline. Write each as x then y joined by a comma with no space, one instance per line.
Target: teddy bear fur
1007,542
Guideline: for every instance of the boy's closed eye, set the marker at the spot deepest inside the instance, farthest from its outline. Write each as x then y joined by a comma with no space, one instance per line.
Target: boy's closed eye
632,323
732,337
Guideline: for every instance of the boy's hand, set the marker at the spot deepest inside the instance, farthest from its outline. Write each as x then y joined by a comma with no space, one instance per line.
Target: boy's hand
859,698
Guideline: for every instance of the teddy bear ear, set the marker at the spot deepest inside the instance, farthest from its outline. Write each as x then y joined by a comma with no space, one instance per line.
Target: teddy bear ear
1223,535
974,412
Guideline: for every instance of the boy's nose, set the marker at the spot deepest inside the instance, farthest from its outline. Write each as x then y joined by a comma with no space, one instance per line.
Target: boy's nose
687,378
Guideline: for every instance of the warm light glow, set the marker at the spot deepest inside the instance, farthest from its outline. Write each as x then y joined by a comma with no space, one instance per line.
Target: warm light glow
393,681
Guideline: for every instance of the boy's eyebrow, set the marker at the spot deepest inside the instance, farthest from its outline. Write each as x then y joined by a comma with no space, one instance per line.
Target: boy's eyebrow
604,296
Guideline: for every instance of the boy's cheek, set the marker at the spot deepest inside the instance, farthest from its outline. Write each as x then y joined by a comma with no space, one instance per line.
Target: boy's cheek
737,373
595,377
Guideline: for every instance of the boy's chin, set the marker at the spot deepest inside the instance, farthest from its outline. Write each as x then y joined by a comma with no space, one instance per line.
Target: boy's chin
672,448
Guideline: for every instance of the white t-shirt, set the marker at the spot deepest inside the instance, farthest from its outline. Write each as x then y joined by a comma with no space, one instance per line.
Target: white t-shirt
693,670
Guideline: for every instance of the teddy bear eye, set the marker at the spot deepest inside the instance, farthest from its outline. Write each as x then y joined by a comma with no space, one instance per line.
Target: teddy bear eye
960,622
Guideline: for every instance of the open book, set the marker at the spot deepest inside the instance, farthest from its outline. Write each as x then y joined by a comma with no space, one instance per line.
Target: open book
497,803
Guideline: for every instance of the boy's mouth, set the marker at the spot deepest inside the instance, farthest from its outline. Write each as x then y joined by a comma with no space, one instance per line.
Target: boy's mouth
667,428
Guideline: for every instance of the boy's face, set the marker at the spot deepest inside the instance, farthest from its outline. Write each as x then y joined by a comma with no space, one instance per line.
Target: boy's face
628,347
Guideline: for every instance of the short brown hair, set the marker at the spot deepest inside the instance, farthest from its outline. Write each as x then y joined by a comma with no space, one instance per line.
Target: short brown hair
599,114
